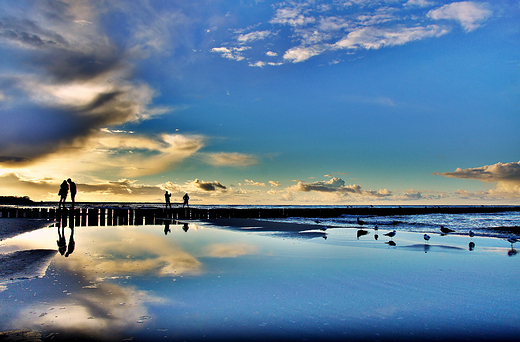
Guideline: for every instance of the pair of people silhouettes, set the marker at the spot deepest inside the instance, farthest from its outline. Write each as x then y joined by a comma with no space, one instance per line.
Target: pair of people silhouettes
167,197
64,190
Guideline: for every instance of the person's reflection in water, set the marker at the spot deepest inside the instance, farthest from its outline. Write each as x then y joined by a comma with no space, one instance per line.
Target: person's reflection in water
471,246
167,227
72,243
62,243
185,227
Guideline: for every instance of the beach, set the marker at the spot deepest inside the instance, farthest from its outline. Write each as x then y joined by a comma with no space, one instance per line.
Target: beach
257,279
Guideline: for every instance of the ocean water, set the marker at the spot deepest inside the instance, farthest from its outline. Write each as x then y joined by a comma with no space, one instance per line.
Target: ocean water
500,225
194,281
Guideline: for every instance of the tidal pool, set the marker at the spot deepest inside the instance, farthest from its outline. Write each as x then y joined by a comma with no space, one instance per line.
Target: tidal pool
196,281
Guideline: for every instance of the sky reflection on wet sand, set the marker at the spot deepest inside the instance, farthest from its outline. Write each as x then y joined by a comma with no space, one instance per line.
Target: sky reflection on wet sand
211,283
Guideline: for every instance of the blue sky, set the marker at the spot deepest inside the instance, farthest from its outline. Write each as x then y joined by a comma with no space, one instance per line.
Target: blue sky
262,102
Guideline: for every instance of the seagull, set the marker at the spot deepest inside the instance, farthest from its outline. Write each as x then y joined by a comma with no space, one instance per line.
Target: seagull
375,227
471,234
390,234
360,221
426,237
324,228
446,230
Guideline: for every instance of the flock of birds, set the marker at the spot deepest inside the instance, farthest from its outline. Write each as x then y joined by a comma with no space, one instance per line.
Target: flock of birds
444,231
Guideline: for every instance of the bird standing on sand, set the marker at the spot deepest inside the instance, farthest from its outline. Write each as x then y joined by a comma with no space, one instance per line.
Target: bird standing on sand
426,237
471,234
390,234
361,222
445,230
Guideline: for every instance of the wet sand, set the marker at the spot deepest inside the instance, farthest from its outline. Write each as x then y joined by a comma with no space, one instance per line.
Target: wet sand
260,225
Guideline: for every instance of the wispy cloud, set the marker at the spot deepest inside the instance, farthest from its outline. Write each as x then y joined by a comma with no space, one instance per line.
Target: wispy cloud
314,29
230,159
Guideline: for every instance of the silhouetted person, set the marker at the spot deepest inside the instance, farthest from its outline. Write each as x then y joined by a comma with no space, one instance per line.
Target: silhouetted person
186,198
73,190
167,200
64,190
185,227
167,227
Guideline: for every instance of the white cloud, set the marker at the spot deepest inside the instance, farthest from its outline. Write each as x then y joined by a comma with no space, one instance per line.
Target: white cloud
253,183
252,36
376,38
292,17
337,185
418,3
234,53
469,14
274,184
300,54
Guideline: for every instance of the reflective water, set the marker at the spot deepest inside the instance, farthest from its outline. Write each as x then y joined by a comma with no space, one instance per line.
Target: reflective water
199,282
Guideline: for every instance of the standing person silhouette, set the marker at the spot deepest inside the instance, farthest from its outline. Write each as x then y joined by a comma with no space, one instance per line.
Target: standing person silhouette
186,198
73,190
64,190
167,200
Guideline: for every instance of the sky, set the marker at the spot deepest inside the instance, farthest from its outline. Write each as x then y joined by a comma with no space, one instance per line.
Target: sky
342,102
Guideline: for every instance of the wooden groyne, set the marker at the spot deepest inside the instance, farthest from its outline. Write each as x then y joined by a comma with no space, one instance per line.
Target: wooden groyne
151,216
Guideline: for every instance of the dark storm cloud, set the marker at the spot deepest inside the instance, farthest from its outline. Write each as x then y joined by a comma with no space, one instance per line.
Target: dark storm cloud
208,186
71,80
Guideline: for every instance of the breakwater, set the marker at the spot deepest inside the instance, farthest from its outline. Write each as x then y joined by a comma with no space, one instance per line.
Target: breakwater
155,215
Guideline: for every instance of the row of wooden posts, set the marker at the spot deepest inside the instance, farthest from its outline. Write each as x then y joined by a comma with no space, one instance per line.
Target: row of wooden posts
155,215
103,216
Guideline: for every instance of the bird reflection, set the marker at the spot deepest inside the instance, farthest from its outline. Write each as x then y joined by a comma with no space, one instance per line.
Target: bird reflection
361,232
185,227
512,252
376,236
167,227
391,243
471,246
426,248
